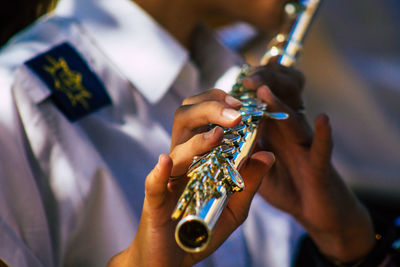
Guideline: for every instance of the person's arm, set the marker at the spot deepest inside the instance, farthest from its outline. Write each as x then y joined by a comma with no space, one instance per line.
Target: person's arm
303,181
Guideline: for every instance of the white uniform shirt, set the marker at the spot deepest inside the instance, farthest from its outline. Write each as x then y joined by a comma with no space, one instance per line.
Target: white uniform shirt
61,181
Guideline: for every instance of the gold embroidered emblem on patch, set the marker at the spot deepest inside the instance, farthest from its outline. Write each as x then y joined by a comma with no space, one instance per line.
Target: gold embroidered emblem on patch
68,81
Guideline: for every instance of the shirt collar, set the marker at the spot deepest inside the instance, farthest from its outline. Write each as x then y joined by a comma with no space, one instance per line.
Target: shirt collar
142,51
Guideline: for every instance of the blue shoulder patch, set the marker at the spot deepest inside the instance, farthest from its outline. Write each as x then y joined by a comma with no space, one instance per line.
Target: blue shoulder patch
76,90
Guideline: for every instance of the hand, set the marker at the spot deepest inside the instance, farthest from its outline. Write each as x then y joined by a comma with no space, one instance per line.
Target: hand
286,83
191,133
154,243
304,183
190,138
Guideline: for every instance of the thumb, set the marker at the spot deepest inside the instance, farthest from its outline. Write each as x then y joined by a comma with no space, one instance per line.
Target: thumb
157,181
252,172
257,167
239,203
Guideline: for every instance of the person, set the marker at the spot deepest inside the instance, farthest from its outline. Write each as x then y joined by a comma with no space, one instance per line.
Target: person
81,177
87,106
156,224
362,67
355,240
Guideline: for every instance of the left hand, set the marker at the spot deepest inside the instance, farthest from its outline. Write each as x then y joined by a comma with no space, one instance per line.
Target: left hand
303,181
286,83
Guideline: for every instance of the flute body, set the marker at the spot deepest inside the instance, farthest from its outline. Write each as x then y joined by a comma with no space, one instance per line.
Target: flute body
214,176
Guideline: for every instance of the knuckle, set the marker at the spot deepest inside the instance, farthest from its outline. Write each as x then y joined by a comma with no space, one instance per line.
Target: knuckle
212,106
147,187
217,93
187,101
174,153
214,93
275,66
298,76
181,110
263,73
195,145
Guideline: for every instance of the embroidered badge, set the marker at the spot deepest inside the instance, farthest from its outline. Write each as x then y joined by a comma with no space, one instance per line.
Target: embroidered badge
76,90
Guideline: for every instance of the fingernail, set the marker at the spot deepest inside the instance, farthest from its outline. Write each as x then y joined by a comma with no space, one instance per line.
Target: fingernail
158,163
230,114
231,101
273,157
209,134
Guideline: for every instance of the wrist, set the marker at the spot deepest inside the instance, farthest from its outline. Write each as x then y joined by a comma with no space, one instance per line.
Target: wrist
344,249
349,241
386,251
121,259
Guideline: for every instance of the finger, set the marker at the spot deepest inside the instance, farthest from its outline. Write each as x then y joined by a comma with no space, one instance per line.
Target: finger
204,113
295,128
157,181
322,144
182,155
273,73
189,118
278,82
255,169
291,71
287,84
213,94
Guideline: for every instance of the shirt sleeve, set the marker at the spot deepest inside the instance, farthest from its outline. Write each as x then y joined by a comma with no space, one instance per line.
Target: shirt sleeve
13,251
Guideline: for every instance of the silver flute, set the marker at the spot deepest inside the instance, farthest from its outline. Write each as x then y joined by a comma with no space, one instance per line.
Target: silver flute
214,176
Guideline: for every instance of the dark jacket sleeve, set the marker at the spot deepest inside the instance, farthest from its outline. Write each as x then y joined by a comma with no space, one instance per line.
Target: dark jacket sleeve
386,252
